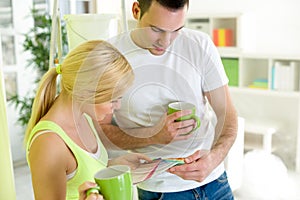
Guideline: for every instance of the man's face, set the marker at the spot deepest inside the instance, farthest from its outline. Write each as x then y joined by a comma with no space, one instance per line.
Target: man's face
158,27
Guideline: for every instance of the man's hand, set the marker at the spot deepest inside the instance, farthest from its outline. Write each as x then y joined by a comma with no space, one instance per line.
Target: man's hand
198,166
169,130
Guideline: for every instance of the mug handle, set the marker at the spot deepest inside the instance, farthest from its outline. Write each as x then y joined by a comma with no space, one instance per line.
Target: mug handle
198,121
93,190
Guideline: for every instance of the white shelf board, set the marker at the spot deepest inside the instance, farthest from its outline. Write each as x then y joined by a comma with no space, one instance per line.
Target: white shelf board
256,55
263,92
231,52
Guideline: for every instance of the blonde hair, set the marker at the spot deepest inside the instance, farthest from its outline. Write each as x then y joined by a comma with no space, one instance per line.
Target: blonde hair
94,72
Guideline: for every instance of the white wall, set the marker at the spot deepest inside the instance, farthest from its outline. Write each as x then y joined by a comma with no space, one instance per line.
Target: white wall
270,26
274,24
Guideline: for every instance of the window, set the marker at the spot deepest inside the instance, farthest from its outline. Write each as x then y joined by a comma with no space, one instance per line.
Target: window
8,50
6,14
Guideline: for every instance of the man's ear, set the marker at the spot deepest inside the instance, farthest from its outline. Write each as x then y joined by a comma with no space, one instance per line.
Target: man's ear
136,10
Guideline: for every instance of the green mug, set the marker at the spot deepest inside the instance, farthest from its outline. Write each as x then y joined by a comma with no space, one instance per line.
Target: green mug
115,183
180,105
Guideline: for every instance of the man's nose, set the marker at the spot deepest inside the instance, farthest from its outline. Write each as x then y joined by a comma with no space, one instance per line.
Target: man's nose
165,39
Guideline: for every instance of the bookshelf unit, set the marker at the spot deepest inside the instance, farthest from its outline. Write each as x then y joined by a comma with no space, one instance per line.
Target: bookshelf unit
272,115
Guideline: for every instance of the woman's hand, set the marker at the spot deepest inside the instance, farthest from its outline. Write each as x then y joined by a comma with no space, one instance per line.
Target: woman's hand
83,188
133,160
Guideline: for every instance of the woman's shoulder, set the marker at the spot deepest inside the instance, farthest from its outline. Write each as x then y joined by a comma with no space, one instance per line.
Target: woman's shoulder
46,135
47,147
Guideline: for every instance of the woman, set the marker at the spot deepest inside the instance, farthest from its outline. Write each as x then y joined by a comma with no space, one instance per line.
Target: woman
62,145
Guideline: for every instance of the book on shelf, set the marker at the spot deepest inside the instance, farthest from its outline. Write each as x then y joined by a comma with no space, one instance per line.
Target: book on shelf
223,37
231,67
259,83
285,76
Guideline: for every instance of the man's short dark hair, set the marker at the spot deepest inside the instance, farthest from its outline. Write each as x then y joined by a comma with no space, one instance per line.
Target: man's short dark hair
169,4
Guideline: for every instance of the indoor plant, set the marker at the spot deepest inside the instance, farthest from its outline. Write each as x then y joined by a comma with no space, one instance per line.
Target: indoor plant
37,42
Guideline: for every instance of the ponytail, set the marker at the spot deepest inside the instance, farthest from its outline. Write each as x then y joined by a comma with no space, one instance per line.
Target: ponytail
43,100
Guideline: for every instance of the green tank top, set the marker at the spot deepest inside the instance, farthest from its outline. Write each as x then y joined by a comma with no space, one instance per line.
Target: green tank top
87,166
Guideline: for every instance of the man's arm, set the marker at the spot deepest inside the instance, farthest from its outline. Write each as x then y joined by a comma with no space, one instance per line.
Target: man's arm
226,128
166,131
200,165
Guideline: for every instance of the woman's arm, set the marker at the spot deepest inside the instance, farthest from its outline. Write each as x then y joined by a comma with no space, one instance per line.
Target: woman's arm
48,159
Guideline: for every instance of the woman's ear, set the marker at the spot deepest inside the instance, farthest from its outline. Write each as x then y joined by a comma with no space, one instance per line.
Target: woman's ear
136,10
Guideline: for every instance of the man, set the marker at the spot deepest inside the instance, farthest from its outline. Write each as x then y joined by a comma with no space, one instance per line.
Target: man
172,63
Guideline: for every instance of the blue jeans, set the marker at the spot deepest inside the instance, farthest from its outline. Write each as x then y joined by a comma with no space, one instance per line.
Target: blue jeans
219,189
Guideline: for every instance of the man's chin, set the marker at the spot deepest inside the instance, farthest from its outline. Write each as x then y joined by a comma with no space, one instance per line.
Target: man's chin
157,52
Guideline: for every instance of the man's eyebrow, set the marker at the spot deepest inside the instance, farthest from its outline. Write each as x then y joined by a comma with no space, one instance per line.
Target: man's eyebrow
162,30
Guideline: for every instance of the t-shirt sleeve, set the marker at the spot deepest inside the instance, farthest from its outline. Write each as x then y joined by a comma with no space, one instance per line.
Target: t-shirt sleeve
214,73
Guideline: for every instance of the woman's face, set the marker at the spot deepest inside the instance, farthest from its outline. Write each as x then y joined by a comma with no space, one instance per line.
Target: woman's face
99,111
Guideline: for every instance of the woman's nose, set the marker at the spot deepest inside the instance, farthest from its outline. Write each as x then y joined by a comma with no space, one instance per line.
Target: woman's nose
117,104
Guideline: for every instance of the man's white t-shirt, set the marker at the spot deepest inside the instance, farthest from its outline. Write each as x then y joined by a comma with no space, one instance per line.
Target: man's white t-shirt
188,68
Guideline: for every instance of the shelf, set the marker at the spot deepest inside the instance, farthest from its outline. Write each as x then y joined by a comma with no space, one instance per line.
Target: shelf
256,55
222,28
263,72
232,52
262,92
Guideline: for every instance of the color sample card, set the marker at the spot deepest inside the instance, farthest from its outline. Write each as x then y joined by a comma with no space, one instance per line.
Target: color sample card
150,169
